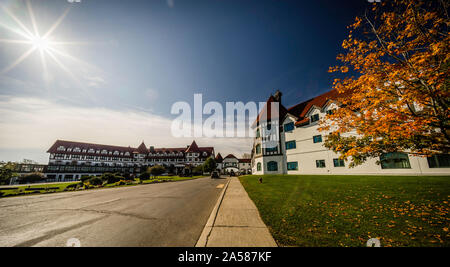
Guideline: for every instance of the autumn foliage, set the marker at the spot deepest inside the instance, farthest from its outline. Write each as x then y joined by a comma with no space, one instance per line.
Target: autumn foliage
398,98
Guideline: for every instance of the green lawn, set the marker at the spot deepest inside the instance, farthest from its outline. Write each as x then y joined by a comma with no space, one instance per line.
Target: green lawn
60,187
46,188
316,210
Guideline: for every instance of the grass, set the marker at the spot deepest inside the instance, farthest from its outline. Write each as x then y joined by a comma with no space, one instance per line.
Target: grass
39,189
319,210
61,187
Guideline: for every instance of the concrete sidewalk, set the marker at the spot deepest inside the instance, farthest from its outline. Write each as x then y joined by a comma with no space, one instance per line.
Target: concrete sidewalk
235,221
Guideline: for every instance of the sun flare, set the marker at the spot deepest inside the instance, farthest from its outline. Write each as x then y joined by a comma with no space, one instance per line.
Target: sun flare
44,44
41,43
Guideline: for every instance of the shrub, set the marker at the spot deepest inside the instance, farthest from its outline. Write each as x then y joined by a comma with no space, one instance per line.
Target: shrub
144,176
71,187
95,181
110,178
198,170
32,178
157,170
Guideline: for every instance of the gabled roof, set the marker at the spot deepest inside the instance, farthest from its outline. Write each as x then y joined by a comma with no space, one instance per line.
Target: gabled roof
205,152
193,148
230,156
266,112
142,148
219,158
87,146
301,109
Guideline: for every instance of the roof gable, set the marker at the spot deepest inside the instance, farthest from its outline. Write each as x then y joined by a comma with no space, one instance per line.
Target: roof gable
266,112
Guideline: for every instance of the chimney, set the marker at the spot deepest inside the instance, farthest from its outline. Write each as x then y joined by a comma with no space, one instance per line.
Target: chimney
277,96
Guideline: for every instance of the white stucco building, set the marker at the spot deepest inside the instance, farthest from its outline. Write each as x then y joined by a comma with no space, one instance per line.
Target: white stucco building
297,145
232,164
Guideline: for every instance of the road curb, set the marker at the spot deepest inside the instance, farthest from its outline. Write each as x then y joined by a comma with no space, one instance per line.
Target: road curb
203,239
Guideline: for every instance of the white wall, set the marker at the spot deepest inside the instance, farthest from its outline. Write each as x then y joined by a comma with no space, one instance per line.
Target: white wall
307,152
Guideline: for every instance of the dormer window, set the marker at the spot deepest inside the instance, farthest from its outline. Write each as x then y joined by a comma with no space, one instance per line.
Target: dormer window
91,150
331,111
104,151
205,154
116,153
61,148
314,118
69,149
77,149
127,153
288,127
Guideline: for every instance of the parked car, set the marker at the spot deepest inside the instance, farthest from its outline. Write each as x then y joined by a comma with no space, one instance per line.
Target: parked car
215,175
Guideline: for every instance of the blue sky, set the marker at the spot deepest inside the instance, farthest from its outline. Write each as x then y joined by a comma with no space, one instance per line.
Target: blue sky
131,60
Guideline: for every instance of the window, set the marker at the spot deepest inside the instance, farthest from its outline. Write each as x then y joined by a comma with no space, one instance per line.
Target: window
395,160
314,118
258,166
258,149
320,163
272,166
272,149
317,139
338,163
439,161
290,145
257,133
288,127
269,127
330,111
292,166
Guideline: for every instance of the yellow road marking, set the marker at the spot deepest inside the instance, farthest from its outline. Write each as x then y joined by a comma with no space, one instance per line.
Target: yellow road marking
220,186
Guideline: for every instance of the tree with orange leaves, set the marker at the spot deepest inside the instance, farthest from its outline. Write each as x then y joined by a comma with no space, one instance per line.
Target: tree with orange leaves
399,99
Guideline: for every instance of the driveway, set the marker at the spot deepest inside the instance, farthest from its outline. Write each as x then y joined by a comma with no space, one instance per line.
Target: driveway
164,214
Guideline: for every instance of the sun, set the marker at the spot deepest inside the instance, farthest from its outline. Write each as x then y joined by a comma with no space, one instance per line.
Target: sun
41,43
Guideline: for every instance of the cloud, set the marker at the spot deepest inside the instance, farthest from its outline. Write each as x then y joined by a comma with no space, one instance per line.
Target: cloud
95,81
33,124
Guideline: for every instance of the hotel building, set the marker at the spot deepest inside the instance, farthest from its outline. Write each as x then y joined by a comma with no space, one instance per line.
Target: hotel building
70,160
297,145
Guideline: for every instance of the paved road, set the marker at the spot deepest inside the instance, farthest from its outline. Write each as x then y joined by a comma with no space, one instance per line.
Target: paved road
165,214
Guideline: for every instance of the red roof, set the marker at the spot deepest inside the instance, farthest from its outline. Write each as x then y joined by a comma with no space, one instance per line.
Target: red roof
219,158
87,146
245,160
230,156
266,112
300,110
142,148
193,148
